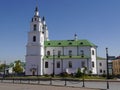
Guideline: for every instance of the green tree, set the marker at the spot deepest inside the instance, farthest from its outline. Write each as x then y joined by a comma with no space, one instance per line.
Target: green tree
18,67
2,67
85,70
79,73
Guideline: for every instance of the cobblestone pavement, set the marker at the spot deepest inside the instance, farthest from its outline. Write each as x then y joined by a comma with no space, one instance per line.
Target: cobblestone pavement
8,86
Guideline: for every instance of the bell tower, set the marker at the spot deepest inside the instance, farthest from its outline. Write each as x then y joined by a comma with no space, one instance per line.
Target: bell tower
45,29
35,46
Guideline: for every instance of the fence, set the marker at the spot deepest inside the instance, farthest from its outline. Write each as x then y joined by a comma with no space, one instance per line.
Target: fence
61,82
45,81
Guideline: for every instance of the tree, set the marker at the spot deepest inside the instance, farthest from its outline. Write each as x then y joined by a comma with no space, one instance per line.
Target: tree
85,70
18,67
79,73
2,67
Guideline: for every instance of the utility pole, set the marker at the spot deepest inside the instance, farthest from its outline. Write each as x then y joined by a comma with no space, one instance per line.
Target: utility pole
107,68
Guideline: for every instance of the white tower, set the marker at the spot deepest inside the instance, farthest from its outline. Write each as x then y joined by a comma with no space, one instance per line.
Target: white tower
45,29
35,46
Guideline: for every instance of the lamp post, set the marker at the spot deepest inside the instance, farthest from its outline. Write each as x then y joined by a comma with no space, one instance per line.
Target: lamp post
82,56
107,68
37,70
83,77
62,65
53,62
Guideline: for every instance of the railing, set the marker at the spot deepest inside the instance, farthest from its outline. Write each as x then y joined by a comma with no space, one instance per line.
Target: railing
59,82
45,81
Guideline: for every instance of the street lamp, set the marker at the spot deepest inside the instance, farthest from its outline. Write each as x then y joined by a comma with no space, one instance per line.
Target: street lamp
53,62
62,65
37,70
83,77
107,67
82,56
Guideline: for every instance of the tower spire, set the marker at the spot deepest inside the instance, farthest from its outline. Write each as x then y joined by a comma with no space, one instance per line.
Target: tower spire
75,37
36,9
36,2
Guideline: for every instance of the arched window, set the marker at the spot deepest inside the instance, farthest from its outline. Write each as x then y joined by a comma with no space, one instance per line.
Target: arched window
34,38
35,27
35,19
93,64
93,52
48,53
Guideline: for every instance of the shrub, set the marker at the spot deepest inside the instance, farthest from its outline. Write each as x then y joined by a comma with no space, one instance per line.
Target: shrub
46,75
64,74
103,75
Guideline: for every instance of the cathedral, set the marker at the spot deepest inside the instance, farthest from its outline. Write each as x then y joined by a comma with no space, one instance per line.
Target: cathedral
44,56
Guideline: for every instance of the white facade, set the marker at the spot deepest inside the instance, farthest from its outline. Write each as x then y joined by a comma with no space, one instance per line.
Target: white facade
43,54
101,67
76,61
64,65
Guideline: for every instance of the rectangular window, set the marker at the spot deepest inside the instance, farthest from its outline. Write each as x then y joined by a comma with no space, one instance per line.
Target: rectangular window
58,64
46,64
93,64
70,64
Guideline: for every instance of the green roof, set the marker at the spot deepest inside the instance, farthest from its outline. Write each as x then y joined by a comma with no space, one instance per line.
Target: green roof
65,43
100,58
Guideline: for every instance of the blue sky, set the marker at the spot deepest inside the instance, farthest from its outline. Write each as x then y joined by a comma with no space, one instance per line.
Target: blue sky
95,20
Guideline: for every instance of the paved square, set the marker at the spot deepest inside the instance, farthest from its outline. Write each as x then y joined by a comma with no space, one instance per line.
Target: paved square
7,86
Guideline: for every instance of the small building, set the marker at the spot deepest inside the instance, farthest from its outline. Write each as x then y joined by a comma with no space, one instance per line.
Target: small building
116,66
101,66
